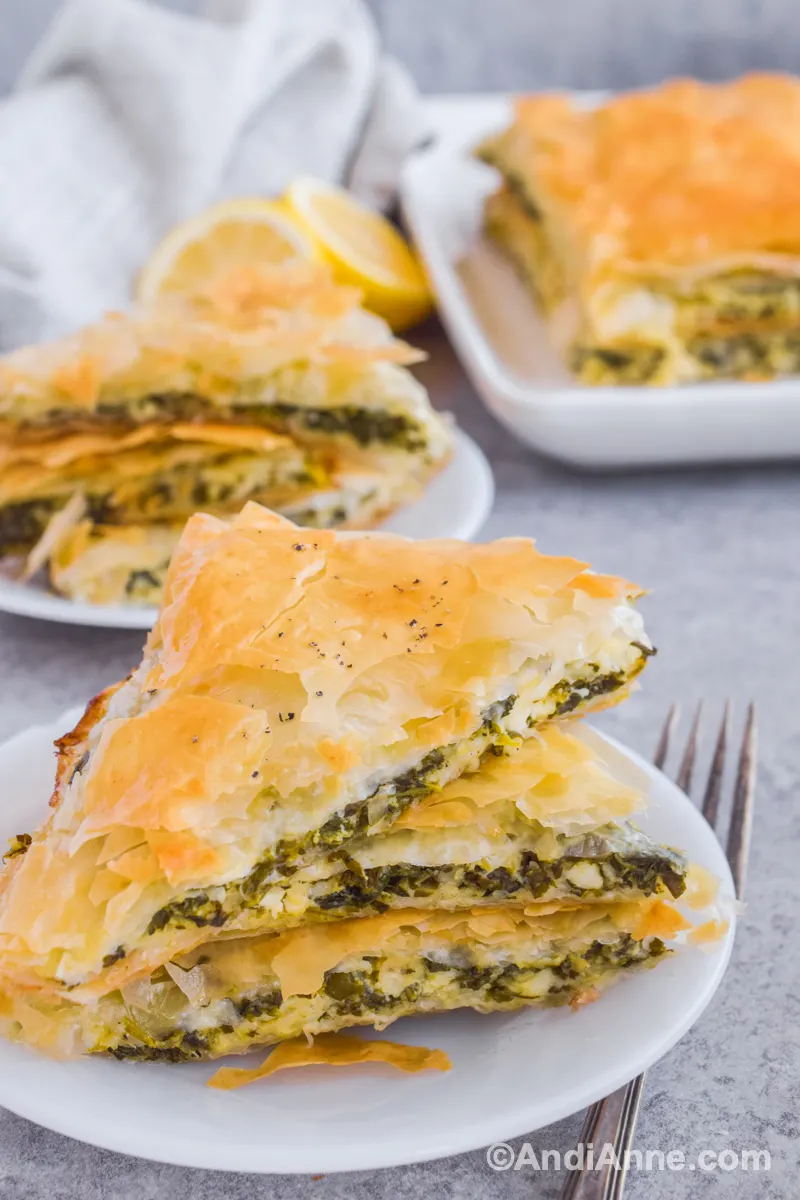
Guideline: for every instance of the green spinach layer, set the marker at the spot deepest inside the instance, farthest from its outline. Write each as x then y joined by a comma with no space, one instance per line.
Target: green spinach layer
364,892
215,907
354,820
616,364
748,353
163,496
353,995
366,426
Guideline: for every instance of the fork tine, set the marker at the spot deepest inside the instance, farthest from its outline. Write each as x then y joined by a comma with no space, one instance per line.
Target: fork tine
714,785
610,1114
684,776
662,749
627,1128
742,815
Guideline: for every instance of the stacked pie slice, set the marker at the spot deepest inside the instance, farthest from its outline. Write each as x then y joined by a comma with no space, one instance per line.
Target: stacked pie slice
344,784
273,386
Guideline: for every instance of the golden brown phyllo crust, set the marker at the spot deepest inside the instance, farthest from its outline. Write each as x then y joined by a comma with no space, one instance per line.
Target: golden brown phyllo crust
659,228
273,386
204,348
299,690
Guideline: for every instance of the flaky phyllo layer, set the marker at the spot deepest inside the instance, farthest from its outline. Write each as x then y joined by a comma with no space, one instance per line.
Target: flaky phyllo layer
230,995
286,348
271,386
151,474
299,691
542,818
117,564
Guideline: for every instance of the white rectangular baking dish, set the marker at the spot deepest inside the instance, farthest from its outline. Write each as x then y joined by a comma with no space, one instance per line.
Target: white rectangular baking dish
503,343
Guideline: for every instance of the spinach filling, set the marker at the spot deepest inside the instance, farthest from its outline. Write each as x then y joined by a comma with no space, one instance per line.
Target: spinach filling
358,993
365,426
739,296
769,354
179,1047
22,524
515,182
18,845
370,815
516,185
315,518
359,818
570,695
623,869
606,364
716,354
142,583
224,480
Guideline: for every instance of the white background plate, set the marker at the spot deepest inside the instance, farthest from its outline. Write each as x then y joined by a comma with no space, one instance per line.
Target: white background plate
512,1073
503,344
455,504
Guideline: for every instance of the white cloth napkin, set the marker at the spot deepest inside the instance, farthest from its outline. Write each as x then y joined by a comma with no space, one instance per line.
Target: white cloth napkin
128,118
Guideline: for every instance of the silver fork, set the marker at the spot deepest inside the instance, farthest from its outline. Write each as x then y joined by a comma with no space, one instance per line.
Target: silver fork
613,1120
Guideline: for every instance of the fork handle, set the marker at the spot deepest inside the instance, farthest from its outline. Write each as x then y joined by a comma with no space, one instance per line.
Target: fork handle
609,1121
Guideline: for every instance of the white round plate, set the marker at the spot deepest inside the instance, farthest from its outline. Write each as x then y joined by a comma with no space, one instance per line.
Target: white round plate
512,1073
455,505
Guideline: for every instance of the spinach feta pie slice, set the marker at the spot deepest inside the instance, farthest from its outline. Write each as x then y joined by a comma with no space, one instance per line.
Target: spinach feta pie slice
231,995
286,349
298,690
275,387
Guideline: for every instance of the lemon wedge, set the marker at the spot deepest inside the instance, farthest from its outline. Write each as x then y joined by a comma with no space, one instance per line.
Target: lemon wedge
246,232
363,248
